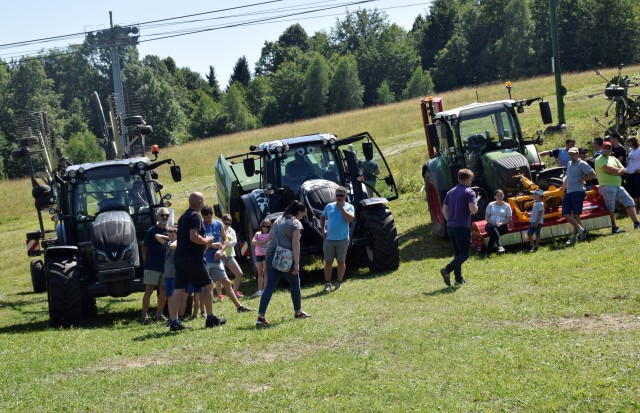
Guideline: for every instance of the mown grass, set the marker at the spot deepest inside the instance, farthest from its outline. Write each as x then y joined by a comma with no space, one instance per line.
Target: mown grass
551,331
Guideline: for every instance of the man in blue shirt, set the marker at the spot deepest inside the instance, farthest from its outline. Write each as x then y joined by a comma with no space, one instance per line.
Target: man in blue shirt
337,215
562,154
459,204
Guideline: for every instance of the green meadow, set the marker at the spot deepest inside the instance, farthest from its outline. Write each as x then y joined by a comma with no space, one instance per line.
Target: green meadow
554,331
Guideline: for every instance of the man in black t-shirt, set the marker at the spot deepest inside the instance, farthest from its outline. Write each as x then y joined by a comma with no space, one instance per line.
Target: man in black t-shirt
190,265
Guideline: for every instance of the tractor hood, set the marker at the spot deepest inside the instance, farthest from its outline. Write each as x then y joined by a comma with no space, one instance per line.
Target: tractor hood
501,167
113,237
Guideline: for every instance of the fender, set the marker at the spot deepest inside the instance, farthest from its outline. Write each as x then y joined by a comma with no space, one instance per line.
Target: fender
59,251
253,209
439,169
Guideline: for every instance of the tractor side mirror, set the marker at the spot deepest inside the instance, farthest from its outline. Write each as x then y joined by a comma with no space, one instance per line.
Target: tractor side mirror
249,166
176,173
545,112
367,150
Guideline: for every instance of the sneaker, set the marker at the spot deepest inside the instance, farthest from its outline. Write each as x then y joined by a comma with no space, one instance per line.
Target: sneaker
460,281
239,294
636,225
338,285
220,297
534,248
262,323
160,318
500,249
144,320
327,287
257,294
616,230
244,309
582,235
301,314
570,241
178,326
214,321
445,277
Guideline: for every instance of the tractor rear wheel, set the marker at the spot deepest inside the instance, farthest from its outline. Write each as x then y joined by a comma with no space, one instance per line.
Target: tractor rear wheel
64,292
382,250
38,280
434,203
249,232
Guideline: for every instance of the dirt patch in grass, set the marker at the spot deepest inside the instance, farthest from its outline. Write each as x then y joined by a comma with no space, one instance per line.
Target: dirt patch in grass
587,322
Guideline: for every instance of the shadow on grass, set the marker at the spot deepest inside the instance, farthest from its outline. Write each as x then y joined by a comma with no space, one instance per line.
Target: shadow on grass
445,290
420,242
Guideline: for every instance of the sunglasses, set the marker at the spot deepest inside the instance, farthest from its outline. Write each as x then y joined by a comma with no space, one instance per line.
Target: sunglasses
226,222
164,215
340,195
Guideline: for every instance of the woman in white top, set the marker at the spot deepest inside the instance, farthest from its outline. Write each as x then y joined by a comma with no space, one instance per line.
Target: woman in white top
498,216
633,170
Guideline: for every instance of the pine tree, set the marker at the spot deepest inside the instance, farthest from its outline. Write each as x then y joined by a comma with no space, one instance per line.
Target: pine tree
241,72
345,89
213,83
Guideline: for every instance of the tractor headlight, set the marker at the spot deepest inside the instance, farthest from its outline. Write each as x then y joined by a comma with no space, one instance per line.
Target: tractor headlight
72,174
140,165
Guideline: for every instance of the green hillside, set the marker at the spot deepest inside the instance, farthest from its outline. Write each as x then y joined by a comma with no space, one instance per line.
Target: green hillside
557,330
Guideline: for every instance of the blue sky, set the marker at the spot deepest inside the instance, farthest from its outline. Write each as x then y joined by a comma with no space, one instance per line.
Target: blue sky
29,20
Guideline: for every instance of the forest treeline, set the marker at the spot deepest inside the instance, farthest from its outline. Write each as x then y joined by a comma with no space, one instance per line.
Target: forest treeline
363,60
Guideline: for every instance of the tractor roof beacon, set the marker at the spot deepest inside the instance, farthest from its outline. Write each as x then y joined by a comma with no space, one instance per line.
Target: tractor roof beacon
261,183
487,139
93,249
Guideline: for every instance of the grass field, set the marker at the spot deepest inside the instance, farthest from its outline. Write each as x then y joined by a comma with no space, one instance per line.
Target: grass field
554,331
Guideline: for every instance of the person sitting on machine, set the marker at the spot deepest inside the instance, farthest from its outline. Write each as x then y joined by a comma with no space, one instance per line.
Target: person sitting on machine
298,170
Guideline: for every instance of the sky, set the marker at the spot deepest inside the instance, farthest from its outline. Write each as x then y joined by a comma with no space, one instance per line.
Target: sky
219,46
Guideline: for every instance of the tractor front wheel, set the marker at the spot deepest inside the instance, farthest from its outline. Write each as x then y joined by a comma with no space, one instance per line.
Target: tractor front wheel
382,250
64,292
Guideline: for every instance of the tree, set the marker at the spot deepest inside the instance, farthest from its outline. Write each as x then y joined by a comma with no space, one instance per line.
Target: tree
437,29
292,44
258,95
514,49
241,72
451,64
207,118
420,84
213,83
82,147
238,115
316,87
287,85
384,95
345,89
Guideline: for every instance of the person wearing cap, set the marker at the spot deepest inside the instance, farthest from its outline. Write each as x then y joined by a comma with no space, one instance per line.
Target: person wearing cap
578,171
610,171
536,220
498,216
633,170
596,144
153,256
562,154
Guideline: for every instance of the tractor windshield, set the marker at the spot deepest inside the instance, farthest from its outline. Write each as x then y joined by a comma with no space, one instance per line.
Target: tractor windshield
103,189
483,126
308,162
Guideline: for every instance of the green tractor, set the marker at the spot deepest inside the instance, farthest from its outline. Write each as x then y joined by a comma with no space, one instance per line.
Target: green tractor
261,183
100,212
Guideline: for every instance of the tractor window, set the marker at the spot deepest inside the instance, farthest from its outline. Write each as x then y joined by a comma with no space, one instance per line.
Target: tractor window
494,127
307,162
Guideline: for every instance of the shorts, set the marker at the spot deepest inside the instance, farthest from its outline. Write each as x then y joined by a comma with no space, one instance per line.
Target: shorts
572,203
216,271
190,289
260,258
190,269
169,286
610,194
534,229
229,260
153,277
335,249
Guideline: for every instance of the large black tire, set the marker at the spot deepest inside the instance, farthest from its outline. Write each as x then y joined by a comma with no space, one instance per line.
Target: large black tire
64,292
38,280
434,203
550,176
382,251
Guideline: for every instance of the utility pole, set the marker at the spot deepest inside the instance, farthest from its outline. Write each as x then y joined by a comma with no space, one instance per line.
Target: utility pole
555,63
113,38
